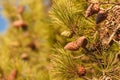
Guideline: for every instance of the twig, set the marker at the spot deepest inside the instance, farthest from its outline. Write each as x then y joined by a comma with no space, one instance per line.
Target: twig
110,3
112,35
105,3
78,57
110,7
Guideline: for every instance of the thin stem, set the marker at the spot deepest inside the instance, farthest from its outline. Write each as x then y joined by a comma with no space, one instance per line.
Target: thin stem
116,3
78,57
112,35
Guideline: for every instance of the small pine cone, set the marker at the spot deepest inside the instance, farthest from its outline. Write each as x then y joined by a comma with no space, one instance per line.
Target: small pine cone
81,71
72,46
92,9
24,27
96,8
24,56
12,75
33,45
101,16
20,23
20,9
75,45
82,41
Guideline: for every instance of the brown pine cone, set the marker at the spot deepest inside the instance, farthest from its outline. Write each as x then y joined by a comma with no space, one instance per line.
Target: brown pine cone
72,46
33,45
81,71
96,8
82,41
75,45
24,56
20,23
12,75
101,16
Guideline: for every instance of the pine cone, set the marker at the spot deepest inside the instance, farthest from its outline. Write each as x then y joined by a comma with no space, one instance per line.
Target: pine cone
75,45
25,56
92,9
20,23
81,71
96,8
33,45
82,41
101,16
13,75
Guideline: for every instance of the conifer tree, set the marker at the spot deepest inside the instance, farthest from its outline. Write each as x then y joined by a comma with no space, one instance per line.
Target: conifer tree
84,36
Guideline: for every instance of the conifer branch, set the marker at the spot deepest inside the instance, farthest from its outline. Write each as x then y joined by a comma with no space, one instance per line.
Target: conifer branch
106,61
104,3
64,65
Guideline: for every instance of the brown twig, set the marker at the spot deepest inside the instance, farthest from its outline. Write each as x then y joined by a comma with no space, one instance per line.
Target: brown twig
111,7
112,35
78,57
110,3
116,3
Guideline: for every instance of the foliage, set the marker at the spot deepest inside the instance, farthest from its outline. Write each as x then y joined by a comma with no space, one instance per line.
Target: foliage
100,59
15,49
